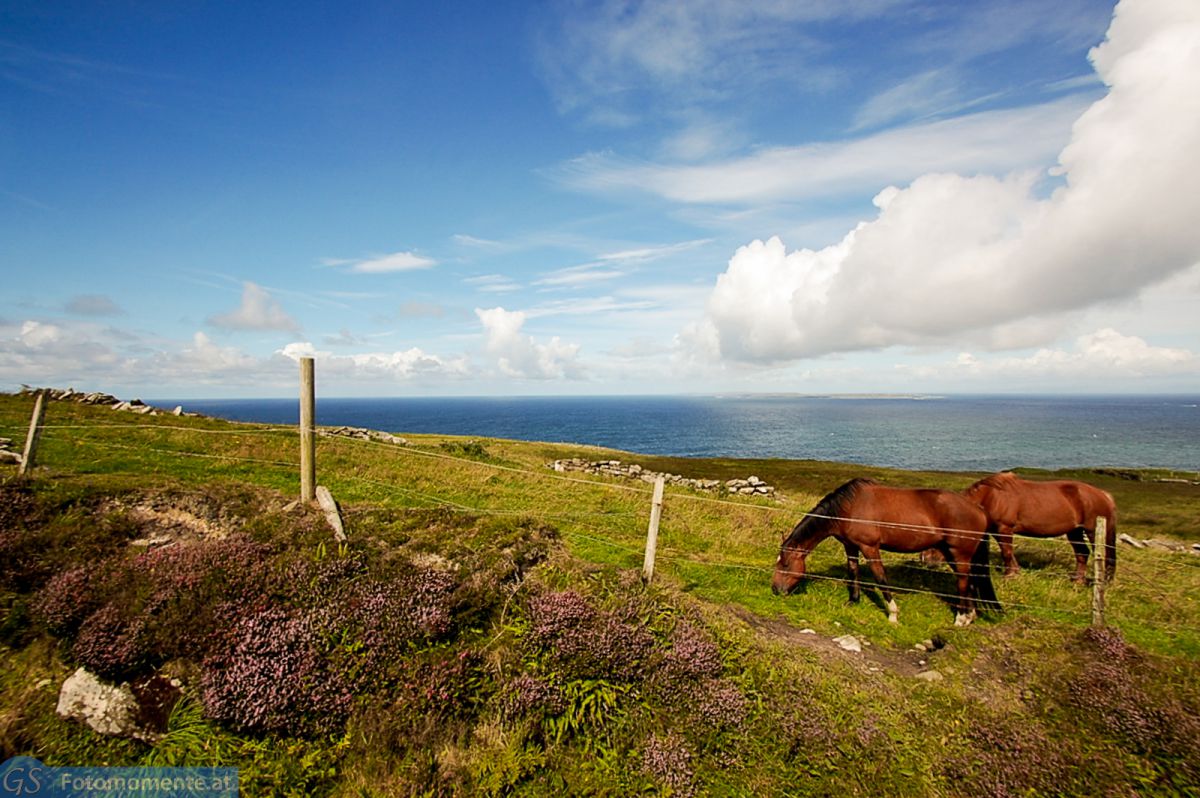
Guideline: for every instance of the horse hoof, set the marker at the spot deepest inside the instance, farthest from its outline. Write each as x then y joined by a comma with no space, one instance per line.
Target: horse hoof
894,619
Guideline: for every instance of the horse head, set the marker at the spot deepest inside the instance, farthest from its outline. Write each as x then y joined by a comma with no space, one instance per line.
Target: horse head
789,568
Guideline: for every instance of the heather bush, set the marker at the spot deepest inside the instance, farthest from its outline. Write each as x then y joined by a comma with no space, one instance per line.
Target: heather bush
197,591
112,643
274,677
669,762
693,653
443,685
529,696
718,704
1114,689
67,599
1004,756
585,643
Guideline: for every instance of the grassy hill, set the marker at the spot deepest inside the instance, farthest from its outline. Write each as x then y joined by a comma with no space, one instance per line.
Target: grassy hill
485,629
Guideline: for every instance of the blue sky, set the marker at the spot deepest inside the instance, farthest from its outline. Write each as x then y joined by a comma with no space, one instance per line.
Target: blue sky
603,197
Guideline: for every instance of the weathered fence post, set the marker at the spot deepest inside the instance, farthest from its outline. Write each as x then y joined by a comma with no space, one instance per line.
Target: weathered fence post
1099,556
35,432
308,458
652,533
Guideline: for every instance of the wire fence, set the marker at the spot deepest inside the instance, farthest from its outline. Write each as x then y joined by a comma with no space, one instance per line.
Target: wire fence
628,519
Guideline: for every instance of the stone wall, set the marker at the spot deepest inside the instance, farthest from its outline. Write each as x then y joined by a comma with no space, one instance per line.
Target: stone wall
751,486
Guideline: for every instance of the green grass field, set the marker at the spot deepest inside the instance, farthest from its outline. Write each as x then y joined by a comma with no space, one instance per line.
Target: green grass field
1030,701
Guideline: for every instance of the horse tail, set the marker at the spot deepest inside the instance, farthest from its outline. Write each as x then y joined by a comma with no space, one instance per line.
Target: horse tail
981,577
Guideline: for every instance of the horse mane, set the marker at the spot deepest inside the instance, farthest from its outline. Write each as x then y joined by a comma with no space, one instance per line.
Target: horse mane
832,507
999,480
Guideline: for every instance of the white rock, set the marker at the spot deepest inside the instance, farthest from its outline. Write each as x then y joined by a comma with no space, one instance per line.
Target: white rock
105,708
849,643
930,676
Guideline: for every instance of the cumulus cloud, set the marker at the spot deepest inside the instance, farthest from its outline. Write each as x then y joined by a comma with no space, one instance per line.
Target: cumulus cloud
953,255
33,351
1100,355
258,311
408,364
519,355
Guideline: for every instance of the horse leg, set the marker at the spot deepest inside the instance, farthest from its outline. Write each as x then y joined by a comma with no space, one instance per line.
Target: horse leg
1004,538
876,564
852,565
964,613
1078,536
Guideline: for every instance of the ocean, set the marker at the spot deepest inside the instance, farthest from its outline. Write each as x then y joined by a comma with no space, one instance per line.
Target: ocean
952,433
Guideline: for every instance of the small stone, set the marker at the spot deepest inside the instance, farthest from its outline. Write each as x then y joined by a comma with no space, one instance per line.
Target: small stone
920,647
178,411
808,631
1130,540
929,646
921,662
849,643
930,676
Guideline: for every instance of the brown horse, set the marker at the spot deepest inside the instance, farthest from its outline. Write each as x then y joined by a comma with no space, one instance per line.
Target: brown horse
1016,506
867,517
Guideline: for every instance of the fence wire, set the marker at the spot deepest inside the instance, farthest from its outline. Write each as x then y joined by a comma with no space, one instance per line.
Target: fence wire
666,555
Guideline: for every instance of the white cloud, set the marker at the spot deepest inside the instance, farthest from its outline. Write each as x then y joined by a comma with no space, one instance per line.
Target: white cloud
367,366
991,141
655,252
921,95
584,274
385,264
492,283
1096,357
258,311
208,359
953,256
519,355
606,56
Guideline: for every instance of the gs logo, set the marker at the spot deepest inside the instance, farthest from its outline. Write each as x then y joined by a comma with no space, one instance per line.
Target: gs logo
23,775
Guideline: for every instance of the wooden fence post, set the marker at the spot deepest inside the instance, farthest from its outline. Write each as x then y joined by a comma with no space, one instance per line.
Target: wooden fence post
35,432
652,533
1099,556
308,454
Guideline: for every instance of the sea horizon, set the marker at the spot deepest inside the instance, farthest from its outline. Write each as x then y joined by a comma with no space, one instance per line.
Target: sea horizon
955,432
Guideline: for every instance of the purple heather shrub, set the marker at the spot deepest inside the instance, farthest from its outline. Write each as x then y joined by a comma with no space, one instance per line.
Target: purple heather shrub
234,569
443,687
668,760
585,642
193,586
112,644
67,599
693,653
528,695
556,614
274,678
719,704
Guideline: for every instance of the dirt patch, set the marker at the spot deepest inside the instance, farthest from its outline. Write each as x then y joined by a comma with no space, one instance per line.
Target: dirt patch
871,658
163,518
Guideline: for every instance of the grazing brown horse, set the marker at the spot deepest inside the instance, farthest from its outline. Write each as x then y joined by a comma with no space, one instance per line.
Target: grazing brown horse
867,517
1016,506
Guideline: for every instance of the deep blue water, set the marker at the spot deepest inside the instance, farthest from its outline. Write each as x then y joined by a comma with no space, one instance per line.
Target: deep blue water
946,433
